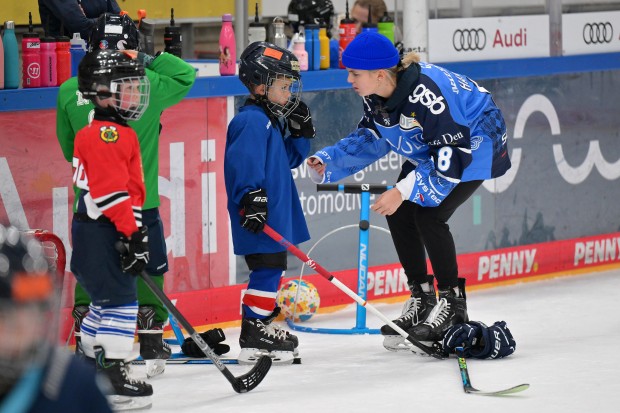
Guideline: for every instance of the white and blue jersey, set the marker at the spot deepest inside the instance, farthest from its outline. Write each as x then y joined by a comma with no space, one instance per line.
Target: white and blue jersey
442,122
258,156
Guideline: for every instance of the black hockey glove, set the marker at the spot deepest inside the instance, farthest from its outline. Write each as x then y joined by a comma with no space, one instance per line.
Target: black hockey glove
135,254
254,205
213,338
480,341
300,122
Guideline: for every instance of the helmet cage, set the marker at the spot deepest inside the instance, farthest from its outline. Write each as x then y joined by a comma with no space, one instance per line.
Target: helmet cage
130,96
292,84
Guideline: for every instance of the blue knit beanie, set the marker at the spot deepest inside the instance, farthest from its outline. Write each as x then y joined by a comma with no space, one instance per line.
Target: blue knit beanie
370,51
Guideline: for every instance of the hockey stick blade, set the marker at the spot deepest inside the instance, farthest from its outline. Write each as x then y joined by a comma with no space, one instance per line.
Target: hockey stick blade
468,388
433,352
241,384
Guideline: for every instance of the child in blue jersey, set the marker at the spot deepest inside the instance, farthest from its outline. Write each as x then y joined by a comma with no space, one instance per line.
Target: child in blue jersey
452,136
257,172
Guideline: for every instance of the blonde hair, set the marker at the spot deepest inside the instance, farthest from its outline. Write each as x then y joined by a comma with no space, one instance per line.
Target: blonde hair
377,8
407,60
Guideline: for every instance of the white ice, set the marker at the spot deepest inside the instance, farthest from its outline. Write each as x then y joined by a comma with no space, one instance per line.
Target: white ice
567,332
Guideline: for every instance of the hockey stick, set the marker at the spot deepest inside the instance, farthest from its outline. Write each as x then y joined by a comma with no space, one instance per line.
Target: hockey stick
467,387
431,351
241,384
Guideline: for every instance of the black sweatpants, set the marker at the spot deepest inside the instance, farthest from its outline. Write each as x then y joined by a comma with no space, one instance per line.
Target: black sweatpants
415,228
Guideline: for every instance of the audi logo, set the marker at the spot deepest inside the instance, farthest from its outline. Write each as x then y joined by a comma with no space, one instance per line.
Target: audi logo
595,33
469,39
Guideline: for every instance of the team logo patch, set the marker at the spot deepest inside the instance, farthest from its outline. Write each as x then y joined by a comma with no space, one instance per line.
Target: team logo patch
108,134
407,123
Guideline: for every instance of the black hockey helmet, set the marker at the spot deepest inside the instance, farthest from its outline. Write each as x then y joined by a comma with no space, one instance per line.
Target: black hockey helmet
116,32
261,63
301,12
112,74
28,299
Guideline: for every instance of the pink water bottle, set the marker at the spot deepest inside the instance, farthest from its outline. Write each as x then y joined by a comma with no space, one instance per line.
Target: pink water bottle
49,74
228,48
31,57
1,65
299,50
63,59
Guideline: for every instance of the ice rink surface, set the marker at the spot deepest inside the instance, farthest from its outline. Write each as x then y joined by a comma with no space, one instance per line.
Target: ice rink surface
567,332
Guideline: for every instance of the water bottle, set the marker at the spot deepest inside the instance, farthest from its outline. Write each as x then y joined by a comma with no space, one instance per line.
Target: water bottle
279,38
228,47
369,26
31,57
48,62
1,65
173,41
78,51
347,31
147,28
63,59
299,50
257,32
313,46
333,54
11,57
324,47
386,26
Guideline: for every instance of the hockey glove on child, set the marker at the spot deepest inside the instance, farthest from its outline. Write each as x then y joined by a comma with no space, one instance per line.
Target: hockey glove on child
213,338
480,341
136,251
300,122
254,205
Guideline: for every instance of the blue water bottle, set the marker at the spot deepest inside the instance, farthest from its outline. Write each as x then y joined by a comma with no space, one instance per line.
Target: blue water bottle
316,48
78,51
334,47
11,56
309,30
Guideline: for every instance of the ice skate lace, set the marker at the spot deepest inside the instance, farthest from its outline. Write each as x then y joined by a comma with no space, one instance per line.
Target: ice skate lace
126,371
410,310
273,331
439,313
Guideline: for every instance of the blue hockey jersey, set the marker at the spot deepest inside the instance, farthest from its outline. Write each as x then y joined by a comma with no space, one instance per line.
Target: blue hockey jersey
64,385
442,122
257,156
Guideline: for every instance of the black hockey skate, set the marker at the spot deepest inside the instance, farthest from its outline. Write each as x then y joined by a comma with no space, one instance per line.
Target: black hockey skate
280,332
78,313
153,349
126,393
259,338
451,309
415,311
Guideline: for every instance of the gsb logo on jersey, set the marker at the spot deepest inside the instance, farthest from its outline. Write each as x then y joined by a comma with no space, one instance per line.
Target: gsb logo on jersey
428,98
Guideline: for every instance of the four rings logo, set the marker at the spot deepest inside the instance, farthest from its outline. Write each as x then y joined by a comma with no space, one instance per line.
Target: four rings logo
595,33
469,39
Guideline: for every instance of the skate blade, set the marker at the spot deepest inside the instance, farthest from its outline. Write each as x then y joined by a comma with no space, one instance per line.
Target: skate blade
399,344
249,356
124,403
155,367
396,343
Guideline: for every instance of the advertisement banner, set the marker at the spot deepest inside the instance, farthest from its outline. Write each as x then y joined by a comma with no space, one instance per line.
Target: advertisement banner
586,33
488,38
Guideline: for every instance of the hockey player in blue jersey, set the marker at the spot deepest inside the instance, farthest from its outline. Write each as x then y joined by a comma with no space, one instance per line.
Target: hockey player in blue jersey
257,171
35,377
452,136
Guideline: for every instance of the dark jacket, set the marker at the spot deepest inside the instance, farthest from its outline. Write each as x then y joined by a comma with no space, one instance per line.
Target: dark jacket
65,17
